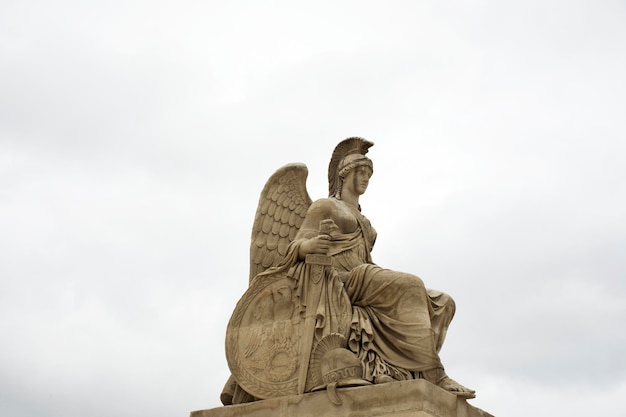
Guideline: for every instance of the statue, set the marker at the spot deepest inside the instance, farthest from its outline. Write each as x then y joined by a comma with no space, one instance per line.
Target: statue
319,313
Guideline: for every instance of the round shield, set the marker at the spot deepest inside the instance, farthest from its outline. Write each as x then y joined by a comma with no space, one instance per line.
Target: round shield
264,339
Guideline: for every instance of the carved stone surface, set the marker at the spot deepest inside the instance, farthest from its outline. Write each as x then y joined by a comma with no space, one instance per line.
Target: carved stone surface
264,339
319,314
415,398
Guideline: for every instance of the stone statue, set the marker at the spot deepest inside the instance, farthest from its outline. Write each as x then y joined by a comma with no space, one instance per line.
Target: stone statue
319,313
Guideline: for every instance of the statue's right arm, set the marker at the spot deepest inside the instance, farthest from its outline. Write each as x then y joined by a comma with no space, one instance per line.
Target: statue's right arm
308,235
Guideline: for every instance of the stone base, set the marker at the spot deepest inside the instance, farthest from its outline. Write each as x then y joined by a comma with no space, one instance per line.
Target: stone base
416,398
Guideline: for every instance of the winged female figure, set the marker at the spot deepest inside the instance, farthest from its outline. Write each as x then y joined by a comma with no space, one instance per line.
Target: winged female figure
397,326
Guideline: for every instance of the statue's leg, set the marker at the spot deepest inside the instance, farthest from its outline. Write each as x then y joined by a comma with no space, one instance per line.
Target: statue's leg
442,310
439,377
406,329
397,310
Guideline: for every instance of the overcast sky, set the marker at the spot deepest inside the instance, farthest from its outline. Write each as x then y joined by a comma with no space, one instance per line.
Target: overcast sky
135,137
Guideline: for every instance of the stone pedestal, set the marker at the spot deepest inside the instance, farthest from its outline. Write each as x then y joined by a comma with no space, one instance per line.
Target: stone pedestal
416,398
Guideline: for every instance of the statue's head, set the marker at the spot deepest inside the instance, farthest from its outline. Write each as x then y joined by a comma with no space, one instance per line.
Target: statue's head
348,155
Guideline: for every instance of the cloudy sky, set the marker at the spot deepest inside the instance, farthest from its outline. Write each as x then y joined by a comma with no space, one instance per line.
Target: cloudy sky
135,137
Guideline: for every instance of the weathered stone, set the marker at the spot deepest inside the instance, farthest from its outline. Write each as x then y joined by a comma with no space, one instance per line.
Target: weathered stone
324,331
414,398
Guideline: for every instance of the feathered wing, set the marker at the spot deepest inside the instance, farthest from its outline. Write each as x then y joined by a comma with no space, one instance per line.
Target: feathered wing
282,207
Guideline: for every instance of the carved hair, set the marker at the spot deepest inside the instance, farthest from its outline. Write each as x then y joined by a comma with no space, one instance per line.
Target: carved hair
348,155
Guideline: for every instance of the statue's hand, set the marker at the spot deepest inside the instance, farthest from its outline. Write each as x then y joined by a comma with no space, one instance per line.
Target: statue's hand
328,227
319,244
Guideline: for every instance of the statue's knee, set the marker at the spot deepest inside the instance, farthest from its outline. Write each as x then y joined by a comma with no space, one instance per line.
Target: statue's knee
448,303
410,283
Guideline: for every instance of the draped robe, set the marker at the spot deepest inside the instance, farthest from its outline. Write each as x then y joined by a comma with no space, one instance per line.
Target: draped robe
398,326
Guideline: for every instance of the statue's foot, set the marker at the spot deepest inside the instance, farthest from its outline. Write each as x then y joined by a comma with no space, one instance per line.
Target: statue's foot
438,377
383,379
454,387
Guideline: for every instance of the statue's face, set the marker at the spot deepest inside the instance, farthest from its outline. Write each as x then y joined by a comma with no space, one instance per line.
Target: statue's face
358,179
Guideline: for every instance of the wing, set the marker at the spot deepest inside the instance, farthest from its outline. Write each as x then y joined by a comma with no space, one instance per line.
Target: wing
282,207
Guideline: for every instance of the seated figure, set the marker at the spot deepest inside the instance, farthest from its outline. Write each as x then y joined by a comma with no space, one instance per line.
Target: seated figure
391,322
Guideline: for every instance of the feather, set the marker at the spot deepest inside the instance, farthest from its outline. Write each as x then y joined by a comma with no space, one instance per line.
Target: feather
282,247
267,224
278,213
260,255
272,241
275,228
275,194
284,230
272,208
294,219
265,205
269,259
281,199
